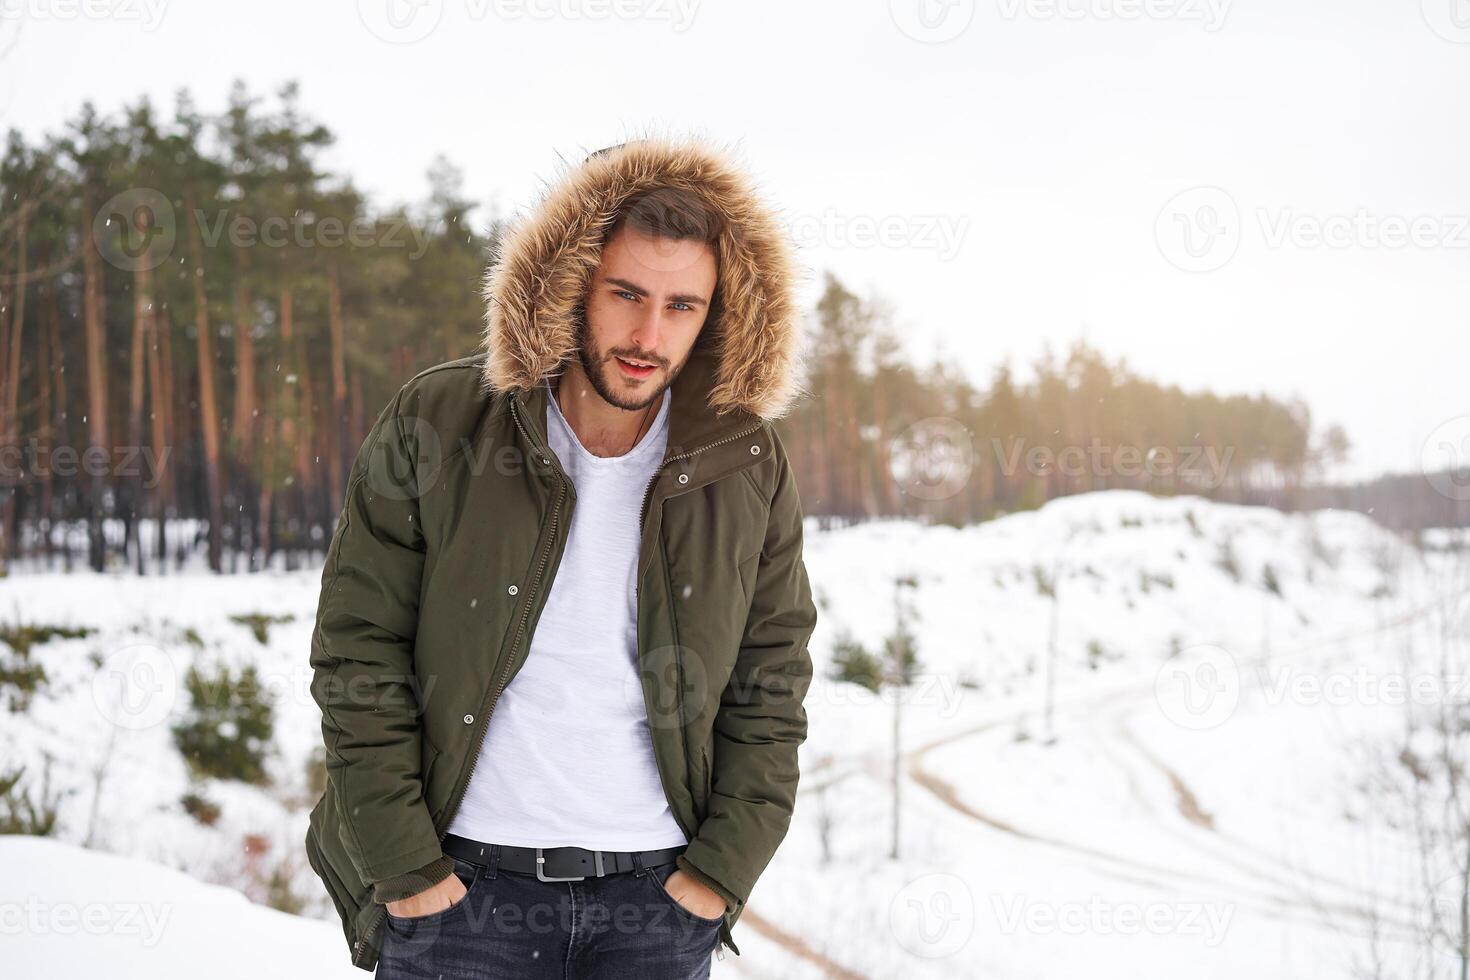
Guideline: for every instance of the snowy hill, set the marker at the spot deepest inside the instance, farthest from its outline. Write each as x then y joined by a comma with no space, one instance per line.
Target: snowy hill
74,913
1204,767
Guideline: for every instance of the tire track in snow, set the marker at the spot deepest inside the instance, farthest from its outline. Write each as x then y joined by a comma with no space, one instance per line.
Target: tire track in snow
799,948
1143,872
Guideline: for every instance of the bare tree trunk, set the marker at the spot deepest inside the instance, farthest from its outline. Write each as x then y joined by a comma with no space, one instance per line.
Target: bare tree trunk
59,428
52,382
95,333
307,456
208,398
11,426
338,462
837,496
167,473
142,330
158,434
359,429
245,403
10,407
243,424
852,452
292,409
882,464
263,525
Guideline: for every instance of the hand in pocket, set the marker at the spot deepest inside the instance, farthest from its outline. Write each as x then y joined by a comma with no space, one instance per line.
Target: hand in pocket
436,898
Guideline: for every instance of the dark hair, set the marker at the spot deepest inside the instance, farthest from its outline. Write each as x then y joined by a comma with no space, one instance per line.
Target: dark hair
668,212
682,215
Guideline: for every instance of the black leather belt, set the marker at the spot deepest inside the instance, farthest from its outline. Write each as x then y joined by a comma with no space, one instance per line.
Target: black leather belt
557,863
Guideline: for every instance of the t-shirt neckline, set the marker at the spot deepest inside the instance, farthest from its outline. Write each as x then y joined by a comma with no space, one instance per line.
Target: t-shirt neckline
641,448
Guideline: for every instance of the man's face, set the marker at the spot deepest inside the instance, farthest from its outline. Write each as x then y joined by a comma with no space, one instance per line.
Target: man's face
647,303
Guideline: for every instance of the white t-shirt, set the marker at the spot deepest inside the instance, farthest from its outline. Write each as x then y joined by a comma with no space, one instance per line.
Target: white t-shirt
568,756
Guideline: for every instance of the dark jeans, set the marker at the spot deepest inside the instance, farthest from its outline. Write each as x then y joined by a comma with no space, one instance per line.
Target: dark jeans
511,926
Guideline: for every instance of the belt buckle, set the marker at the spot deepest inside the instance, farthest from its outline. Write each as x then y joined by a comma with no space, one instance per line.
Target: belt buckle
542,876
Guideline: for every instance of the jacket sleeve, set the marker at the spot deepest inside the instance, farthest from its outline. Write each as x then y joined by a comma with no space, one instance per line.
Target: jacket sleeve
761,721
363,672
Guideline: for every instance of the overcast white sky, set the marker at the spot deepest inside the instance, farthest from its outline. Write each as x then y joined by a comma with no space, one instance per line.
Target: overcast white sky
1033,166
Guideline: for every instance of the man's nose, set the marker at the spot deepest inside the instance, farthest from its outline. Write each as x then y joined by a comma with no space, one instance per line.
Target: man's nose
648,330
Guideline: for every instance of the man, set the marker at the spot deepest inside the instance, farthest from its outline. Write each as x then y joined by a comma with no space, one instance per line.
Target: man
560,649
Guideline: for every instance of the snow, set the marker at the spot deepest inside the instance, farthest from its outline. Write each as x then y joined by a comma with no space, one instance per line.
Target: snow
67,912
1197,803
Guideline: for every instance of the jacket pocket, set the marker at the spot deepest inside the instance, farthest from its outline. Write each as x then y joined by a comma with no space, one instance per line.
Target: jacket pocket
656,877
431,756
468,875
706,780
748,567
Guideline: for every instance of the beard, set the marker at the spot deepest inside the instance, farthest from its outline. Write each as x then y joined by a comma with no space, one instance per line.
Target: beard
598,365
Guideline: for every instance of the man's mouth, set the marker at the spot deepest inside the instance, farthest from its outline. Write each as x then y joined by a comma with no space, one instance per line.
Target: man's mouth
635,368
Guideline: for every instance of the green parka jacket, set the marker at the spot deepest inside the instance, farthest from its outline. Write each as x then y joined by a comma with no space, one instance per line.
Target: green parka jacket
456,519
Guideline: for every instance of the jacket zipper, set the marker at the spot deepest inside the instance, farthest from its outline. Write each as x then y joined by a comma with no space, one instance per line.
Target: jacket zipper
648,490
642,520
643,515
525,615
505,672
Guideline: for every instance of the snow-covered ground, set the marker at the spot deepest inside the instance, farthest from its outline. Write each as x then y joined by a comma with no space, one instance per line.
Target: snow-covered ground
1212,793
71,913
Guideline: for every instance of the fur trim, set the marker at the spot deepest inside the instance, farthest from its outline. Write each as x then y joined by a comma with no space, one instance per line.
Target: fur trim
544,266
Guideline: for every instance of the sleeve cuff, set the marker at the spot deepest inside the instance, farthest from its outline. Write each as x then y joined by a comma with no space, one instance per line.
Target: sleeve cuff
731,902
410,884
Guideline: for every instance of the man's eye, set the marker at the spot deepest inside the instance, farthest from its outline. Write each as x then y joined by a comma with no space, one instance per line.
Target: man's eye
686,306
625,294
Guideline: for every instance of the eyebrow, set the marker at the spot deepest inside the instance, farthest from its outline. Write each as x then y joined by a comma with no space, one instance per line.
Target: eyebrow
634,288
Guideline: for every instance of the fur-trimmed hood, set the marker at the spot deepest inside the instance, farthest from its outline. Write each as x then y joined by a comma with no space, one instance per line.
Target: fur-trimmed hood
543,268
